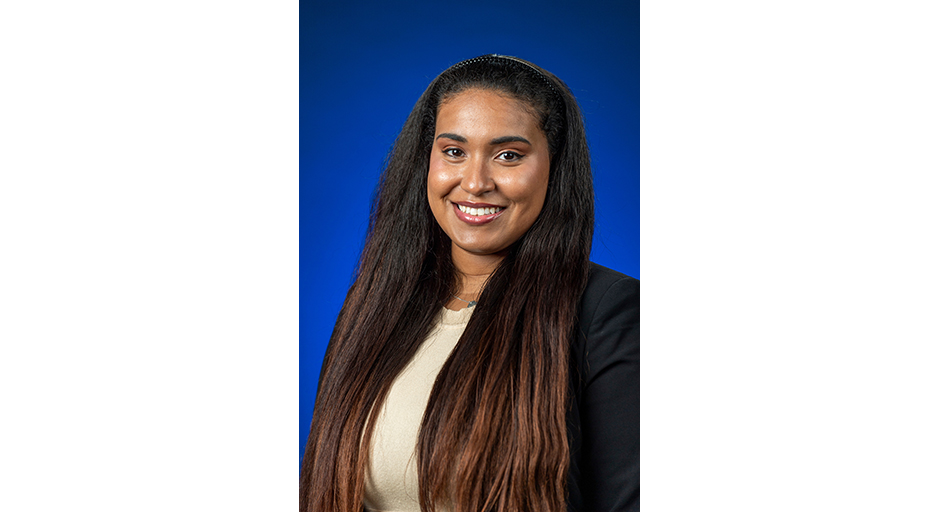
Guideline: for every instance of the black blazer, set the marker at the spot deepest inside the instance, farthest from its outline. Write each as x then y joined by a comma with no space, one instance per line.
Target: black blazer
604,418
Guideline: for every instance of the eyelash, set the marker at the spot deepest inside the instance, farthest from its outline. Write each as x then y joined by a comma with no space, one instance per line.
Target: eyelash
515,156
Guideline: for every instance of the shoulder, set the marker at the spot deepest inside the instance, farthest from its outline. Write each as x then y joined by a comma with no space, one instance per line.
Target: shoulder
607,288
608,322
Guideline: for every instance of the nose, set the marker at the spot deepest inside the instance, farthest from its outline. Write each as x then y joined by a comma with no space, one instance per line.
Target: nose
476,178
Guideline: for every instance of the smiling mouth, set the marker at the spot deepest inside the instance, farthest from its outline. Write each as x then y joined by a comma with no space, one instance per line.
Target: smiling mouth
476,212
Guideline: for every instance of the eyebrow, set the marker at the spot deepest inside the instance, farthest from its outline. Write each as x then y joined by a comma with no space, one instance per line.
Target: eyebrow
452,136
509,138
498,140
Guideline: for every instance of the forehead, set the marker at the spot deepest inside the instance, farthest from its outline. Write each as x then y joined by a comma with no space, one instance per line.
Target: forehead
485,113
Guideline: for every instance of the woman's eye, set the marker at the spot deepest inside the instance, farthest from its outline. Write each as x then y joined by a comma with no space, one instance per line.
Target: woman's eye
453,152
509,156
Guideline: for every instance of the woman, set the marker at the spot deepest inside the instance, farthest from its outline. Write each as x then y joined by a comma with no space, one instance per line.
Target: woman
480,360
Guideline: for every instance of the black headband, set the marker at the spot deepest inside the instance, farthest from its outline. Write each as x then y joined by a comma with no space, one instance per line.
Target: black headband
495,58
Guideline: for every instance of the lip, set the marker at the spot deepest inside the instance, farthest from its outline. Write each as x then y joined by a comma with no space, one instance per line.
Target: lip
471,204
477,220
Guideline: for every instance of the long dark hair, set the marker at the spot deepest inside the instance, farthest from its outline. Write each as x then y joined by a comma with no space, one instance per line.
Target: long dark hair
494,435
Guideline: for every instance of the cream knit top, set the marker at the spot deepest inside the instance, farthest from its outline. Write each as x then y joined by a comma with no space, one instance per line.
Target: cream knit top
392,473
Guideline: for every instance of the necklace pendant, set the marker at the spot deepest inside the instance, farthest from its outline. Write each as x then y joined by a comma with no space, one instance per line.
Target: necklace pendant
470,303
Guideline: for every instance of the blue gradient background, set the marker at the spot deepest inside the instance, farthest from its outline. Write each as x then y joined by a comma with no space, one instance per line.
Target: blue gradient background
362,67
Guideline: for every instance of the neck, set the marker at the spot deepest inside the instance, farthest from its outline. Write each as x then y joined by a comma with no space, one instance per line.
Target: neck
472,271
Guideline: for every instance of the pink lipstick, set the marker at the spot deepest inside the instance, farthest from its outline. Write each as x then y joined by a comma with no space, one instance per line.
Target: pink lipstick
477,214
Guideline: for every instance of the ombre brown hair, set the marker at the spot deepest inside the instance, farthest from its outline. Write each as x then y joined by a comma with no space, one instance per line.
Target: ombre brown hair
494,435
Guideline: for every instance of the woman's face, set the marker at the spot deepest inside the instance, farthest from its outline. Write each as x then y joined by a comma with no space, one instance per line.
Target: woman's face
488,171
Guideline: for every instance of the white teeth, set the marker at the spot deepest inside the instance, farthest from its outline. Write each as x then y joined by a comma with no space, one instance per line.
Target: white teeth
478,211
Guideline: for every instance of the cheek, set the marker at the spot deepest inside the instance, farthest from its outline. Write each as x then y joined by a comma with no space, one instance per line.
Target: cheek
438,178
530,187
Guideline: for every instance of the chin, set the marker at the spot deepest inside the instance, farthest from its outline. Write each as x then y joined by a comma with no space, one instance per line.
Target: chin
478,250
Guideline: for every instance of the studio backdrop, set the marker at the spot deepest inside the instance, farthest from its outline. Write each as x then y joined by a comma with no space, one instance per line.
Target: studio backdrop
363,65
